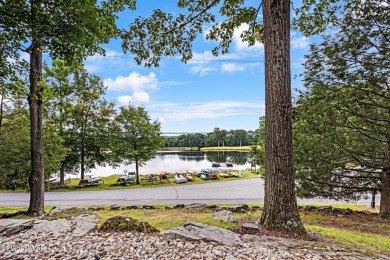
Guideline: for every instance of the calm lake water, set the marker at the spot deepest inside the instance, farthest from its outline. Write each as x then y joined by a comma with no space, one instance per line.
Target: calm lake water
177,161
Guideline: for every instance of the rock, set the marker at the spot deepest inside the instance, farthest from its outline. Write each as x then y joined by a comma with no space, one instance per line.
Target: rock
148,207
179,206
198,231
250,227
126,224
225,215
53,227
115,207
309,208
169,207
84,225
197,206
255,208
211,206
326,209
13,226
239,208
132,207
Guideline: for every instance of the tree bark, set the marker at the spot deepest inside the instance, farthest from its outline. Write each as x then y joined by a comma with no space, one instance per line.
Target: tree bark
62,175
280,209
82,156
385,180
136,171
37,176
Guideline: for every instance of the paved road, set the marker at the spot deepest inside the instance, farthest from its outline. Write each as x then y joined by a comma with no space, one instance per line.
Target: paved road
238,191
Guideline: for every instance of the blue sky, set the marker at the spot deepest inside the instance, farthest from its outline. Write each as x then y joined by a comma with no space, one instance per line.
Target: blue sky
225,91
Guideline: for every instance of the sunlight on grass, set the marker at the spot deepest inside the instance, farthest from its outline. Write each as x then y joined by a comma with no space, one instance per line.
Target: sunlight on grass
164,219
367,241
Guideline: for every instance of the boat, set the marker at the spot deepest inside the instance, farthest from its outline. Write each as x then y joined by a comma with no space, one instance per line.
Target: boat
180,178
212,173
125,179
223,174
91,181
189,176
235,174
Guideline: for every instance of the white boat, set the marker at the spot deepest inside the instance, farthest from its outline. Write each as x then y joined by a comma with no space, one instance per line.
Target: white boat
180,178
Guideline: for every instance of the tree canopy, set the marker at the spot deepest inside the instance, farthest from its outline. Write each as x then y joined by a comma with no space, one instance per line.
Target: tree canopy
342,119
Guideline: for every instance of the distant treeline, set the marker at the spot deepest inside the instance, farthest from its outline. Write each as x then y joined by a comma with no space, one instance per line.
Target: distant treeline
218,137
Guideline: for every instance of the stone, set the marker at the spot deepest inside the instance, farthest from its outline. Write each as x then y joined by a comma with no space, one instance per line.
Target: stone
197,206
250,226
13,226
126,224
169,207
148,207
132,207
225,215
115,207
83,225
198,231
55,227
211,206
326,209
239,208
179,206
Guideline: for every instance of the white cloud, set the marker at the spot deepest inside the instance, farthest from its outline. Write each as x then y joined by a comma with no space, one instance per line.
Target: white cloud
299,42
241,45
202,70
137,98
134,82
113,61
179,112
232,67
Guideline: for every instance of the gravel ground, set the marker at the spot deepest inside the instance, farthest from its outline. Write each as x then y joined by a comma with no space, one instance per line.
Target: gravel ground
99,245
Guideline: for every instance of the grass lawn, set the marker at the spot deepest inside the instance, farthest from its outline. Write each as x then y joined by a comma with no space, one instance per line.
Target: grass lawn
227,148
359,231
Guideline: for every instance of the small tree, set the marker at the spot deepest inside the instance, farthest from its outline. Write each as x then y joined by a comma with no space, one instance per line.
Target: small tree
138,138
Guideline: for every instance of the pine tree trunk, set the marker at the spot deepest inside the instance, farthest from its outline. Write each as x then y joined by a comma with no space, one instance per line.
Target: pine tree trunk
62,175
280,209
37,176
136,171
385,180
82,157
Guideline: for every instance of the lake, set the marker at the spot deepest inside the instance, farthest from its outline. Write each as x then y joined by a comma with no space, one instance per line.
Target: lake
177,161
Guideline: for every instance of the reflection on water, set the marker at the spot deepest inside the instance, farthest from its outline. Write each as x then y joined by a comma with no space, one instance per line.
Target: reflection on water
177,161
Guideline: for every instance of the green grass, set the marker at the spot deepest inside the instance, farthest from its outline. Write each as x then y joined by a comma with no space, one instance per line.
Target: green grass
164,219
227,148
360,240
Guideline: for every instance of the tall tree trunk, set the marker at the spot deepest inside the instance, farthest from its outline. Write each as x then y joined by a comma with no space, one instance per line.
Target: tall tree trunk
82,156
385,179
280,209
37,176
62,175
1,114
136,171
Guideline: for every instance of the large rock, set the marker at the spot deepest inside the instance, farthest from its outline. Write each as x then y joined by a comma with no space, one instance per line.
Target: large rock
198,231
50,227
83,225
196,206
12,226
239,208
225,215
